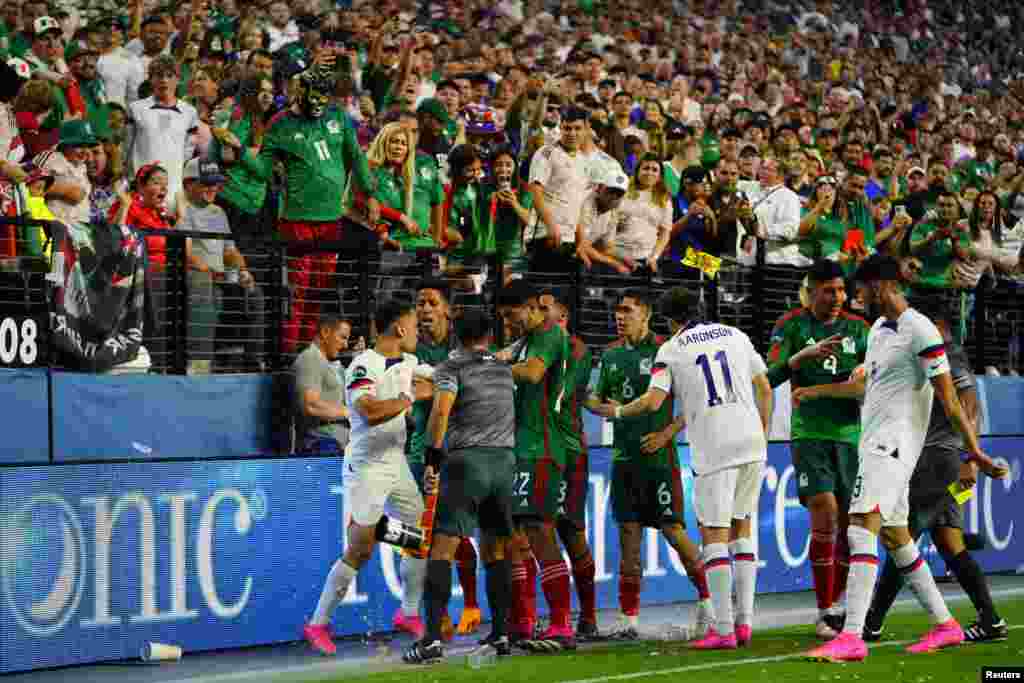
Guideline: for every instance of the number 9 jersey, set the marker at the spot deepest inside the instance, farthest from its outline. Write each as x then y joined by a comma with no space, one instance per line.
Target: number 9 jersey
710,370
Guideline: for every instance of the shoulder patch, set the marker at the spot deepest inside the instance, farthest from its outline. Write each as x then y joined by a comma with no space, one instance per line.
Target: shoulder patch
789,315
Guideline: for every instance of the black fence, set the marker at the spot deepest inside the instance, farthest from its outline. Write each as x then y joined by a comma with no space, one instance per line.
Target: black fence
227,320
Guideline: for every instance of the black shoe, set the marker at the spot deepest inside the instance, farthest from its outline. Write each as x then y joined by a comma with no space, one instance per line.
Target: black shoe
980,632
836,622
501,644
587,632
424,653
872,635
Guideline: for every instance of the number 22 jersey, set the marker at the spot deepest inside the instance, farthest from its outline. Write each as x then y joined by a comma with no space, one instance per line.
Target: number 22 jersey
710,369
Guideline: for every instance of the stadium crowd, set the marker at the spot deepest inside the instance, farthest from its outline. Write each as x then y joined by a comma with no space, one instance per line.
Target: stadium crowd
548,134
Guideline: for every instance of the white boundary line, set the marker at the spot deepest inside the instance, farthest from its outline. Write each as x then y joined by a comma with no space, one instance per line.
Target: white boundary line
349,668
725,664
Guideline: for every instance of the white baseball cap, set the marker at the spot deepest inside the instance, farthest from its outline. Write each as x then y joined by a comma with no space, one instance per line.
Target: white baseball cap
612,176
44,25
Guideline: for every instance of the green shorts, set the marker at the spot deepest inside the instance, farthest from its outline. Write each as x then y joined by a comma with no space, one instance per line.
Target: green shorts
476,491
540,486
572,504
824,467
646,495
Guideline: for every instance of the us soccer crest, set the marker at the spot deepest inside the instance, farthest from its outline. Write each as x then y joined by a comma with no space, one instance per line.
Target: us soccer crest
849,346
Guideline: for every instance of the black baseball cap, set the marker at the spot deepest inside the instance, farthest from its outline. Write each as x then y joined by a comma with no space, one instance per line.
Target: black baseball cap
878,268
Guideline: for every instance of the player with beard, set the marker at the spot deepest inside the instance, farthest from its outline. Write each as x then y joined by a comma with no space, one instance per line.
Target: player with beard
317,147
646,482
905,368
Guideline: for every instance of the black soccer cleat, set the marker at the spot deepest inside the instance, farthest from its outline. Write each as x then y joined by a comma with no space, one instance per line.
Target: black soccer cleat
424,653
587,632
980,632
872,635
501,644
836,622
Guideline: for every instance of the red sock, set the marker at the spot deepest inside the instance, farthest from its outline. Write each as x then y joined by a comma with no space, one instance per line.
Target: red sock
465,556
519,611
700,581
821,553
530,594
842,566
629,594
583,572
554,579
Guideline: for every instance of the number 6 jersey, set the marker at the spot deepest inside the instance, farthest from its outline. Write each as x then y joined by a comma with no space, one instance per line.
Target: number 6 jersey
710,370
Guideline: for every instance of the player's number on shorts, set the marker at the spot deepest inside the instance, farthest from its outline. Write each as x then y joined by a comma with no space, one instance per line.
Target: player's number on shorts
664,495
627,390
322,150
18,342
523,485
831,364
714,399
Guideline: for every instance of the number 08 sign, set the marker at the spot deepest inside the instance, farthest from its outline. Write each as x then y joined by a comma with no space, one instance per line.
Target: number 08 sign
21,341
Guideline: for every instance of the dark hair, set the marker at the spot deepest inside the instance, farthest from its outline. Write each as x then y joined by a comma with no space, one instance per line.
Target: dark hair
473,326
331,322
679,304
436,284
823,271
576,114
878,268
639,295
459,160
517,293
447,83
503,150
390,310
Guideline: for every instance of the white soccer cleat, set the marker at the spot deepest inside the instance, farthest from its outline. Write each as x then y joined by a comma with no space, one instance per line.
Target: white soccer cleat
823,630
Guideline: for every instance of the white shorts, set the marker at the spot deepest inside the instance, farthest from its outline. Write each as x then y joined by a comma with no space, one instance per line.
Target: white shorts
722,496
883,481
371,488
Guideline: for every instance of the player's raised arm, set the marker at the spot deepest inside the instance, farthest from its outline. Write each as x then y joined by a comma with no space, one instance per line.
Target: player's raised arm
854,387
651,400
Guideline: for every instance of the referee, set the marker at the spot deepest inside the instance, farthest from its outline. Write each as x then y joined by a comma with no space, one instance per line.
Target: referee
474,404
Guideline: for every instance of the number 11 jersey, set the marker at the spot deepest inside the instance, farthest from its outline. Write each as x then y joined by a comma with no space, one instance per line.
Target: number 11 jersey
710,369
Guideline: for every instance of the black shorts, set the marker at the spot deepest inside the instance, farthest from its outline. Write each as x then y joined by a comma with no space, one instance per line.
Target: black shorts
476,491
931,503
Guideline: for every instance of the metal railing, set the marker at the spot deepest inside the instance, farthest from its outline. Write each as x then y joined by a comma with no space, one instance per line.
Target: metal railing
225,322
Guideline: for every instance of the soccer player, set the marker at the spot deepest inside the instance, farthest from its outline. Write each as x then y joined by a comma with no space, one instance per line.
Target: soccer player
433,315
646,483
380,389
572,499
906,366
932,506
825,432
540,363
474,404
722,385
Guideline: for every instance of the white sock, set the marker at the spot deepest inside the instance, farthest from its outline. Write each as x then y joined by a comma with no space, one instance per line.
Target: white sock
918,575
839,606
718,569
861,583
414,574
744,564
335,587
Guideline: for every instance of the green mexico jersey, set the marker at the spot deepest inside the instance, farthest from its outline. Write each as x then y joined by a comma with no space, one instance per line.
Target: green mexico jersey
831,419
538,435
622,376
937,258
577,378
427,192
318,156
433,355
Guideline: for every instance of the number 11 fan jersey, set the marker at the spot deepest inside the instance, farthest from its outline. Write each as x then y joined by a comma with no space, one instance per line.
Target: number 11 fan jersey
710,370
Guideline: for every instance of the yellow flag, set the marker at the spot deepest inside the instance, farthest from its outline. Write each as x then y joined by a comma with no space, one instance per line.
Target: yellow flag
702,261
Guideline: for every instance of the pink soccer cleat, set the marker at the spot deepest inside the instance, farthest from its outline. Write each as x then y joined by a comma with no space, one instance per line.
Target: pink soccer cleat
846,647
413,624
946,634
744,633
319,638
713,641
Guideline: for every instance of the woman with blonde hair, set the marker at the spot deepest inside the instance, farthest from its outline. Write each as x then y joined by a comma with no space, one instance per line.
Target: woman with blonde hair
392,160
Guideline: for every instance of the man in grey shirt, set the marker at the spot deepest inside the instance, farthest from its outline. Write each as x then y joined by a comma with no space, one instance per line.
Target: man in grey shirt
321,415
225,303
474,405
933,508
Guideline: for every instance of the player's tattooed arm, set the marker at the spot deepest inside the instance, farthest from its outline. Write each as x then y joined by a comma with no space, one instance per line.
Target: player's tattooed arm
314,405
655,441
946,394
648,403
437,423
530,371
853,388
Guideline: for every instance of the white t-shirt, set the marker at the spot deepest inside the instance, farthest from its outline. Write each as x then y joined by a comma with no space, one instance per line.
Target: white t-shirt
902,357
710,369
65,171
162,135
564,179
638,233
381,378
122,74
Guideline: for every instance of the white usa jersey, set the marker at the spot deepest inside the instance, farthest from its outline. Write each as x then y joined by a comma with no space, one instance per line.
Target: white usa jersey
381,378
710,370
902,357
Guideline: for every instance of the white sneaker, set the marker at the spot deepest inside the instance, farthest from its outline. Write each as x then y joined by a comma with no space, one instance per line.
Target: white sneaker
823,630
705,619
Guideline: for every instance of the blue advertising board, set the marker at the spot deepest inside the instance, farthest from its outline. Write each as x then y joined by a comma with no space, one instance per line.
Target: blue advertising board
24,397
95,560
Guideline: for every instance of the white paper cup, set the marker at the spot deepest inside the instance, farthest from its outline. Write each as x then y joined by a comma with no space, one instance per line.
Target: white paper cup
160,652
